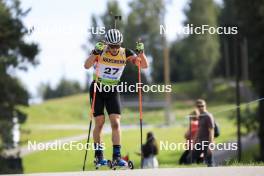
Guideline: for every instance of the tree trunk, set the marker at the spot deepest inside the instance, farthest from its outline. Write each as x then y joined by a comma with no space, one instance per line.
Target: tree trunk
261,128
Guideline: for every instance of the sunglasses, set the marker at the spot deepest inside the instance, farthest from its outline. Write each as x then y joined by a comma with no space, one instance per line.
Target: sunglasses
114,46
200,106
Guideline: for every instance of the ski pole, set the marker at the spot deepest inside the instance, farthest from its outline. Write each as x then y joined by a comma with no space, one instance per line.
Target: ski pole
91,115
140,110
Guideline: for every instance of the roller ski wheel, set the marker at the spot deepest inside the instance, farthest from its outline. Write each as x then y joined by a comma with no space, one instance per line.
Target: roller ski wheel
109,164
130,164
122,164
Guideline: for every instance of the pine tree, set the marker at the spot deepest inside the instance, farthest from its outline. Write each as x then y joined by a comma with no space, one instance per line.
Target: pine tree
250,19
15,53
203,49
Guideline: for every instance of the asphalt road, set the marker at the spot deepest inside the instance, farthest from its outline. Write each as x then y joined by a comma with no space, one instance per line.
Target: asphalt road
201,171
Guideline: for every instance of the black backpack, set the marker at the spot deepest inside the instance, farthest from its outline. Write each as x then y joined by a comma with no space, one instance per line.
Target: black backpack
216,130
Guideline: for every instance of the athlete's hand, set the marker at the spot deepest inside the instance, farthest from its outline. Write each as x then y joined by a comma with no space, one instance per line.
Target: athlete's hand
139,47
99,47
137,60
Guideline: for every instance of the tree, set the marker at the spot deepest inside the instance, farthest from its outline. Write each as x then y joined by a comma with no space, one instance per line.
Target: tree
250,19
64,88
227,18
143,23
15,53
107,20
202,49
180,64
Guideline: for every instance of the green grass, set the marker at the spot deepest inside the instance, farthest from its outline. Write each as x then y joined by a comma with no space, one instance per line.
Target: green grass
222,90
40,135
56,161
248,158
67,110
76,109
250,154
190,89
152,117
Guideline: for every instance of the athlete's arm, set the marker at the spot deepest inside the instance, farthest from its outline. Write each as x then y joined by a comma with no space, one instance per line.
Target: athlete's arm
90,61
99,46
211,135
135,59
143,59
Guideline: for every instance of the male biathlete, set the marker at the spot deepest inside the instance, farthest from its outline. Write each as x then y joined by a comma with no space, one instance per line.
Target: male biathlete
111,59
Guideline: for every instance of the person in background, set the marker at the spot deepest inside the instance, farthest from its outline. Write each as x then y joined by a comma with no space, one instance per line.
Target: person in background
190,135
149,152
205,134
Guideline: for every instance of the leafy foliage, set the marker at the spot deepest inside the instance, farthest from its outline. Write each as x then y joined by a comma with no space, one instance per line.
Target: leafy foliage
64,88
250,18
202,50
15,53
145,16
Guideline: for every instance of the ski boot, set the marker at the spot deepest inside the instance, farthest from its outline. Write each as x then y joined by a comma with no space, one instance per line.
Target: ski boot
102,162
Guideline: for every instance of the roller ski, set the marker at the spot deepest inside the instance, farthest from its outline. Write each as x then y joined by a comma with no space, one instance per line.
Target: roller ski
122,164
102,163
